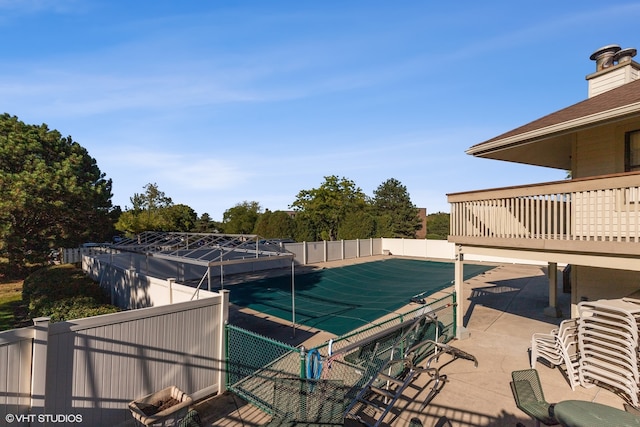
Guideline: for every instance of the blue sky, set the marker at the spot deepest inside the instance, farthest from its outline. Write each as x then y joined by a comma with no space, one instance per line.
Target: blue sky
219,102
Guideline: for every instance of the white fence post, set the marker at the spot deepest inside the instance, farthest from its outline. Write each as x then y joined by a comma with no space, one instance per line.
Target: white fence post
170,282
133,287
224,318
39,365
304,253
324,250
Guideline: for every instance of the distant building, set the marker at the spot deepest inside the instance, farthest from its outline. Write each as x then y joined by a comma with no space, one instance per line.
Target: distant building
422,233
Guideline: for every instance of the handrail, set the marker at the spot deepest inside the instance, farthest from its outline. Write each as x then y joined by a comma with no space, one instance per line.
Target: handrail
389,331
604,208
599,182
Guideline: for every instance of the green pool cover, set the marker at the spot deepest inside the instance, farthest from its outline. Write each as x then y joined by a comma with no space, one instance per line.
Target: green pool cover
342,299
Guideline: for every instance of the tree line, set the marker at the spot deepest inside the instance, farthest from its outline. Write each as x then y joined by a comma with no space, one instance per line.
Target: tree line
337,209
53,194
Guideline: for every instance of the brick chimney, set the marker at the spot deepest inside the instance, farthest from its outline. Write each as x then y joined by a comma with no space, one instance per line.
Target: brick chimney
614,67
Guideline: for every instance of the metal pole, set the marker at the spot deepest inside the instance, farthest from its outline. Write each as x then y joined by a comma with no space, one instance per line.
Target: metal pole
221,271
293,298
461,331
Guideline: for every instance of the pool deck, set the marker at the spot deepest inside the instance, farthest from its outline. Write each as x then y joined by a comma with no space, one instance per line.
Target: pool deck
503,308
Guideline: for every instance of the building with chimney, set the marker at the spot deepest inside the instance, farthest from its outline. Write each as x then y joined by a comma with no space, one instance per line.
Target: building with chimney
590,221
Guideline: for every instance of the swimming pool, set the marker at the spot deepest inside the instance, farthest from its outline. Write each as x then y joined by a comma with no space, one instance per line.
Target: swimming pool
339,300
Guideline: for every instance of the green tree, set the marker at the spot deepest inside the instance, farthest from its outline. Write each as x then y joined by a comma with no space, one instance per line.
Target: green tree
322,210
357,224
52,192
275,225
398,215
438,226
179,217
303,229
148,212
205,224
242,218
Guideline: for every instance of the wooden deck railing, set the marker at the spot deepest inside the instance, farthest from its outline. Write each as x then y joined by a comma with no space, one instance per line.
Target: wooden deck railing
603,209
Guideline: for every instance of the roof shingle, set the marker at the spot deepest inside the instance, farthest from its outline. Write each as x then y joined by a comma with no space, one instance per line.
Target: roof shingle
619,97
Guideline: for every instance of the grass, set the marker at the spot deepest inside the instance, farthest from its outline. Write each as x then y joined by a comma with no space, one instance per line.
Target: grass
12,310
11,305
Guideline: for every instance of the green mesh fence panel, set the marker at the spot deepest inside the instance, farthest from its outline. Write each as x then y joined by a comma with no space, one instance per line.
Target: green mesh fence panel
254,361
357,356
298,401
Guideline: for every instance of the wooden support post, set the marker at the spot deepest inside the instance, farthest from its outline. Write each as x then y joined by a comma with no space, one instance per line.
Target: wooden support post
553,310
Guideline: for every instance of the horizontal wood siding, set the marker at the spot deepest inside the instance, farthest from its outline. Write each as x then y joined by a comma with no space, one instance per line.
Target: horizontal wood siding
611,80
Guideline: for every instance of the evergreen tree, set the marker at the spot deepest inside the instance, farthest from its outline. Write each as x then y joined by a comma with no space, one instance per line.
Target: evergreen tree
398,216
438,226
205,224
52,193
148,212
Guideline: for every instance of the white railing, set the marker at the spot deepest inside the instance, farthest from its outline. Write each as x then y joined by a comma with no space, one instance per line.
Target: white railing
604,209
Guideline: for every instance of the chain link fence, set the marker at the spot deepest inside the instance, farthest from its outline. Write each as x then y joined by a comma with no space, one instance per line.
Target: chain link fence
254,362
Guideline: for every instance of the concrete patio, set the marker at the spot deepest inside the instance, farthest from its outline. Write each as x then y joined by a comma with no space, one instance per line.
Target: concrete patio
503,307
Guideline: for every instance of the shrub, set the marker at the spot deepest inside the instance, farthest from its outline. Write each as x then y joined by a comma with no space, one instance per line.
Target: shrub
63,292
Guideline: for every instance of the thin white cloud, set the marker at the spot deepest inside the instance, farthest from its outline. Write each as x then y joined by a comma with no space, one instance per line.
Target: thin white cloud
187,172
153,72
10,9
80,94
553,28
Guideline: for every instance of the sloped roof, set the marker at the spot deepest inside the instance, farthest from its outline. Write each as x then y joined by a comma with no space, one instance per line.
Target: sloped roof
612,105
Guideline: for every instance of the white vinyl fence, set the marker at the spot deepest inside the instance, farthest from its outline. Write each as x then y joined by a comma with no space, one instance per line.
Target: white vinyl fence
129,288
86,371
325,251
317,252
16,350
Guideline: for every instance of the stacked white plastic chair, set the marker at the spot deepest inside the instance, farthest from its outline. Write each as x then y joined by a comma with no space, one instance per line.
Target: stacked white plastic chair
608,343
559,348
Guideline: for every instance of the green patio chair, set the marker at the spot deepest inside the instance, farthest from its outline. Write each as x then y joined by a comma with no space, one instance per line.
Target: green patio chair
529,397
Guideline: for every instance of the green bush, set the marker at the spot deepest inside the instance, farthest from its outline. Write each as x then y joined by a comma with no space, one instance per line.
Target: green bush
63,292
